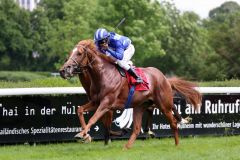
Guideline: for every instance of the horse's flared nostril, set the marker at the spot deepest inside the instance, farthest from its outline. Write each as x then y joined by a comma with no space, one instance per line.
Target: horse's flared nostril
62,73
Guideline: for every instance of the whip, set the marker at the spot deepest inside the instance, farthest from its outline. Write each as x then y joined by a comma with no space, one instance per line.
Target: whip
119,24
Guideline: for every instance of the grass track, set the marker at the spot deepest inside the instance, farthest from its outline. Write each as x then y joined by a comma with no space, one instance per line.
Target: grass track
198,148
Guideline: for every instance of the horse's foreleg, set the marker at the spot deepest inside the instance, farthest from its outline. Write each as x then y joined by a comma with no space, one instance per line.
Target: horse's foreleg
102,109
137,124
81,109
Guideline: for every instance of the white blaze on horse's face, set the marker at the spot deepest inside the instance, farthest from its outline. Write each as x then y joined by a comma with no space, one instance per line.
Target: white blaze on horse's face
73,57
70,65
73,51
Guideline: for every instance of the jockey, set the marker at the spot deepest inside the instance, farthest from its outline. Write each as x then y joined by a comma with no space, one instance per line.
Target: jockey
118,47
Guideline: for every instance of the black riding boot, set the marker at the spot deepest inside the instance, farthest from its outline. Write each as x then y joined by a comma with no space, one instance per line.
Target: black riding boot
132,72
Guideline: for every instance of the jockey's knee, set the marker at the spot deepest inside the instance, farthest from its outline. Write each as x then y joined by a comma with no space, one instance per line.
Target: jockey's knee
123,64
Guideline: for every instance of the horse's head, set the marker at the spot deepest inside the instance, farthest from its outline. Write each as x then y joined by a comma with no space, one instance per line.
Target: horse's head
78,59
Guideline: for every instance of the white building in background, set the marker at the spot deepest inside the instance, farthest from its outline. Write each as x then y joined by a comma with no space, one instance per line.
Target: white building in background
28,4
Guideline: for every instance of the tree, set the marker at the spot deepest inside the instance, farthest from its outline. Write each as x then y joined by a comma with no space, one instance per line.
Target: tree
15,36
224,32
143,25
186,45
58,28
226,8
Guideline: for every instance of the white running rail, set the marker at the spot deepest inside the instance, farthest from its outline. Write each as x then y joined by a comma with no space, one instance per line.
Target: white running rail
80,90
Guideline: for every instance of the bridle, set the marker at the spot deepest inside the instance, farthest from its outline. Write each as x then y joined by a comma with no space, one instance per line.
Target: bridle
81,68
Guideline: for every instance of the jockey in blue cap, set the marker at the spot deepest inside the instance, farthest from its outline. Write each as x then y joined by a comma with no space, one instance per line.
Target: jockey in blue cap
119,48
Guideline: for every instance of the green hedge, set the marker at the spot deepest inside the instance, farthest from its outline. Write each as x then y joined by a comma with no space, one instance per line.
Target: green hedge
46,82
45,79
226,83
19,76
12,79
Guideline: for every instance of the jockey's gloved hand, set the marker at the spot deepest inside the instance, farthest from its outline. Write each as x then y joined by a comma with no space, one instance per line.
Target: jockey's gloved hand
103,44
104,47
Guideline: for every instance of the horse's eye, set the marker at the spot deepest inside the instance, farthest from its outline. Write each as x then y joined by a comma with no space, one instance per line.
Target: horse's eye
78,54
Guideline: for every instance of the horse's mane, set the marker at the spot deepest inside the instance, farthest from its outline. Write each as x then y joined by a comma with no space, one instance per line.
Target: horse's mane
89,43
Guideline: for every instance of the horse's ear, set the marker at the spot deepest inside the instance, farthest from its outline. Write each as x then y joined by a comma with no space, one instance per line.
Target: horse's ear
81,49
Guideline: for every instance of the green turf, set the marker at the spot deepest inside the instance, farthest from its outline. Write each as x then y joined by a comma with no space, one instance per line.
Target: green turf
198,148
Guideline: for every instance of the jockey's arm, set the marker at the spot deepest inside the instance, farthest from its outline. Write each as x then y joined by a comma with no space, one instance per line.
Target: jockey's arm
118,54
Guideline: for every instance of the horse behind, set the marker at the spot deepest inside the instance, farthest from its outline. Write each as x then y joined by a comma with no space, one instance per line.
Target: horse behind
109,90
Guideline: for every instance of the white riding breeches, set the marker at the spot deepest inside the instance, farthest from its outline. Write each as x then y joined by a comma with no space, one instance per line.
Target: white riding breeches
127,55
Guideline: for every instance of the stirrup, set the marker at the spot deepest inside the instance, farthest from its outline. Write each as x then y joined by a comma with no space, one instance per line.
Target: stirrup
139,80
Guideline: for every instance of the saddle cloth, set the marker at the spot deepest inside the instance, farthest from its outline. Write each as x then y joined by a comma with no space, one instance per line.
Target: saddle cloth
132,81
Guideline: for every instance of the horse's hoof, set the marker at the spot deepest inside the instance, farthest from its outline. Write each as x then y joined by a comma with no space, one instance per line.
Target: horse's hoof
78,136
87,139
189,119
126,147
151,134
107,142
186,120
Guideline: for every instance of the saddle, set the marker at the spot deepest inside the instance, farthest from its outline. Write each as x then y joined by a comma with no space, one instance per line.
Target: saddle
121,71
132,81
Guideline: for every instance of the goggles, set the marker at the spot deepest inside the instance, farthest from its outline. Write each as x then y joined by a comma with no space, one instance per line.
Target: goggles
103,41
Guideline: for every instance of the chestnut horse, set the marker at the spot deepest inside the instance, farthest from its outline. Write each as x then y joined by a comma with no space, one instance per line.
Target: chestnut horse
109,90
107,118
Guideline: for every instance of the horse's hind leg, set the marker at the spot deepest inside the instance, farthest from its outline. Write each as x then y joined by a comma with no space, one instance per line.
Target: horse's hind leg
165,102
173,124
137,124
147,128
177,116
107,122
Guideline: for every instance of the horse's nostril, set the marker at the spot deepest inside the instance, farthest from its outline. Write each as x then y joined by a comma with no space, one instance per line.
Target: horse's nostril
62,73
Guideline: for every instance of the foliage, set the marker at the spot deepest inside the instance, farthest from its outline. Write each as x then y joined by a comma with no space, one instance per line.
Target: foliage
224,33
45,79
145,29
177,44
185,47
46,82
22,76
21,79
15,41
225,83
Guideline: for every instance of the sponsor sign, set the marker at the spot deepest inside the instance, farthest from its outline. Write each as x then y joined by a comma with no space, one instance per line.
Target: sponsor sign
41,118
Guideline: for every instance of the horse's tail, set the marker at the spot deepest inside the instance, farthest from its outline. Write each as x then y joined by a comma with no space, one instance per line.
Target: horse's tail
186,88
